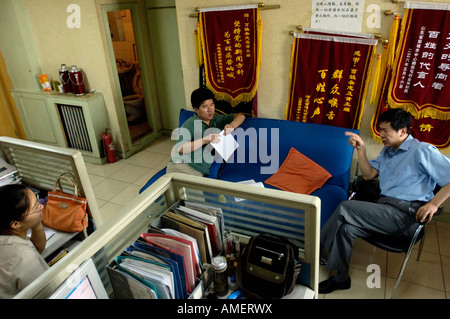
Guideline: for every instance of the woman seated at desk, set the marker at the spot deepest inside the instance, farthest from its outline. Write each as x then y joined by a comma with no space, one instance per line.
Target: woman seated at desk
20,261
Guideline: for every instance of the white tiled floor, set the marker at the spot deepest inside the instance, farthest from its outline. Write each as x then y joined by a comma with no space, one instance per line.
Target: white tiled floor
428,278
117,184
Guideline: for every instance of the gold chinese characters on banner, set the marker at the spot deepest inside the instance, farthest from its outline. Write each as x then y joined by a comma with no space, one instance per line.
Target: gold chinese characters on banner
230,39
417,80
421,72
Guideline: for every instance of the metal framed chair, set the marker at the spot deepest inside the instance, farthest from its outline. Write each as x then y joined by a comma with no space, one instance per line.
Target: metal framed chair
396,245
369,191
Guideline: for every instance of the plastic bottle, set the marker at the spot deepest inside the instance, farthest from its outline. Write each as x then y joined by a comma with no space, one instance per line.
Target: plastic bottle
43,79
232,284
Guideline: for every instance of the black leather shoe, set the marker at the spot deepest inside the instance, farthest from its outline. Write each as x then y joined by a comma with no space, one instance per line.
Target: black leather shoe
330,285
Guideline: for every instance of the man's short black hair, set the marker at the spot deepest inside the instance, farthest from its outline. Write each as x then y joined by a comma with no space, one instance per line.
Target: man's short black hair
398,118
200,95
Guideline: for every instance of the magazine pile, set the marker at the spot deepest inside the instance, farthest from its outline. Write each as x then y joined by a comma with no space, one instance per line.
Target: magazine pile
8,174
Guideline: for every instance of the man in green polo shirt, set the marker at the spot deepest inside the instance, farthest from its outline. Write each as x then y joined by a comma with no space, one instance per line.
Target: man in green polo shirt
192,154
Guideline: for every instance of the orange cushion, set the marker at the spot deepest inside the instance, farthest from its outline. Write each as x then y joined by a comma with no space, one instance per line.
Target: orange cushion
299,174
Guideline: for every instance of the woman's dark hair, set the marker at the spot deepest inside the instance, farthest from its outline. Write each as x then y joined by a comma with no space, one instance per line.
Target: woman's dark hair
200,95
15,202
398,118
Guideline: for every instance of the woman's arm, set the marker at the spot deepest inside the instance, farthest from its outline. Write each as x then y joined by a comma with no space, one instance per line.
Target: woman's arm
38,237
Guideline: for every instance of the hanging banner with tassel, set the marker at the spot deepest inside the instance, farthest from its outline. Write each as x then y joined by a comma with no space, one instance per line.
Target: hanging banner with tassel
231,51
421,71
376,78
393,37
329,91
384,63
425,128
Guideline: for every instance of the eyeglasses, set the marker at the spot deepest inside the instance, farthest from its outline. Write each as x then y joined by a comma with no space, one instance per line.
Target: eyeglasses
37,211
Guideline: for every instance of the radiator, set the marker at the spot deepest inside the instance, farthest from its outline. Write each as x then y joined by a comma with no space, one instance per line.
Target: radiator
74,124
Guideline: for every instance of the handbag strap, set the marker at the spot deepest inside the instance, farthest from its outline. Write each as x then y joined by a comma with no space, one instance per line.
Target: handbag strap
70,181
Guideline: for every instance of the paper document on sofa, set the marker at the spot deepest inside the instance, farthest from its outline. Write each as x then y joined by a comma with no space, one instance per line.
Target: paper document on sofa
250,182
226,146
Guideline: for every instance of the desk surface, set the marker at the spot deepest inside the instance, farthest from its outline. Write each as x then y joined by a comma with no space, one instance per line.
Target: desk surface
55,241
300,292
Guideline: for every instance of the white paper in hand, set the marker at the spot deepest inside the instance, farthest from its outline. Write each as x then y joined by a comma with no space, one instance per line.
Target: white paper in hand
226,146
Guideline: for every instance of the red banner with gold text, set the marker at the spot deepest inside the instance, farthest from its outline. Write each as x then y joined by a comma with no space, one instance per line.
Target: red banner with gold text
424,128
231,48
421,73
329,76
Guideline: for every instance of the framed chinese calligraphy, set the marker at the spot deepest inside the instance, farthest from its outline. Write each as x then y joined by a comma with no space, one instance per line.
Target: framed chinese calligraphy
329,75
231,51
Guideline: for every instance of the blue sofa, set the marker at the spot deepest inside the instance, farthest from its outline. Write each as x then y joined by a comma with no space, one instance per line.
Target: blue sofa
326,145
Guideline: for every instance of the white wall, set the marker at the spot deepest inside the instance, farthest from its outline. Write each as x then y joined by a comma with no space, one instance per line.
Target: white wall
51,43
276,47
85,47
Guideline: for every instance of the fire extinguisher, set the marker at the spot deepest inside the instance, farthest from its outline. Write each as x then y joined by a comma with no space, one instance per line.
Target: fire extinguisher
109,147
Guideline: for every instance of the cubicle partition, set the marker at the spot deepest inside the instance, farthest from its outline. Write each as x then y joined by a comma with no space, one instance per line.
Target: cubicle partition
39,166
247,211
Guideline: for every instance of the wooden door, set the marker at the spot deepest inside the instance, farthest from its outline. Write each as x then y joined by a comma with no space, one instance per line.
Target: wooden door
10,124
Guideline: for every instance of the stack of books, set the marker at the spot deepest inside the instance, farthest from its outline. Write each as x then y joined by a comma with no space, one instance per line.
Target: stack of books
8,173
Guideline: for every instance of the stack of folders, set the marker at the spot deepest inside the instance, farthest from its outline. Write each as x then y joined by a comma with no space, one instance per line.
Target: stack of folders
8,173
168,261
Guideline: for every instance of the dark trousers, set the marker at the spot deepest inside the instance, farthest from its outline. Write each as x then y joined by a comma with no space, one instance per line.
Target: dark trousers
357,219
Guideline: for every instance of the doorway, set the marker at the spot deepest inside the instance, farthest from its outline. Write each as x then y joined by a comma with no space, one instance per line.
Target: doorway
129,73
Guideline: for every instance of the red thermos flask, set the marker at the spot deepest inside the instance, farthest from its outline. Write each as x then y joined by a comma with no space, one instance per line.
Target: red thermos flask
77,81
65,80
